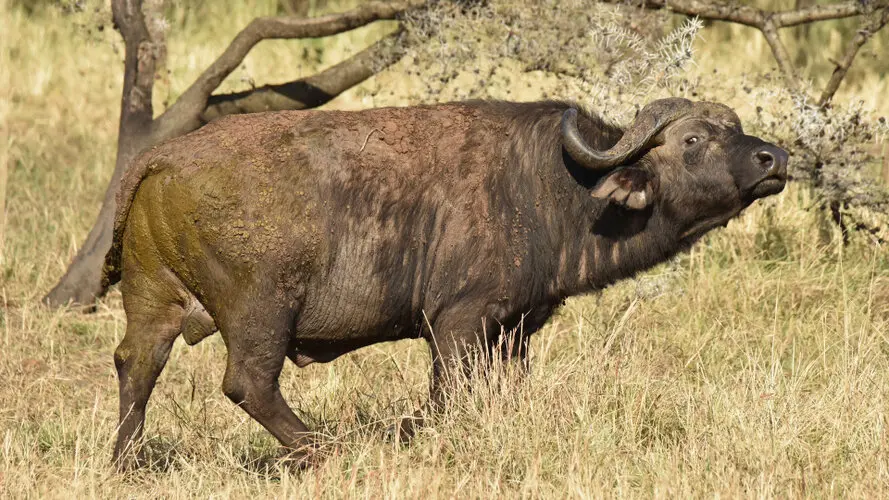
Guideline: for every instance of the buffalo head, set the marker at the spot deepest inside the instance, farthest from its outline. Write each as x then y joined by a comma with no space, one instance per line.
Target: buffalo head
690,159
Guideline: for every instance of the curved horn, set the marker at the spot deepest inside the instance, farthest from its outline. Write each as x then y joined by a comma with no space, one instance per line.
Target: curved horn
651,120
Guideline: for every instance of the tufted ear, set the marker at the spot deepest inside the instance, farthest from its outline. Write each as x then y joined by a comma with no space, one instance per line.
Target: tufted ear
628,187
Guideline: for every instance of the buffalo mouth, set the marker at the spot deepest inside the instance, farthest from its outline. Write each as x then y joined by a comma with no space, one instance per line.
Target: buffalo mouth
767,187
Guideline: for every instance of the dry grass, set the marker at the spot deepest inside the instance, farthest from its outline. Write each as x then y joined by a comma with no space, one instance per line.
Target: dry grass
756,365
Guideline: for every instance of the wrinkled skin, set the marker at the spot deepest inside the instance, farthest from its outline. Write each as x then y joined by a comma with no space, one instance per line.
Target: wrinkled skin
306,235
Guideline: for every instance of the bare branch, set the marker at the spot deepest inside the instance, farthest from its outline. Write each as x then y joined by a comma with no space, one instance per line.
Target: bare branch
741,14
869,26
185,113
751,16
307,92
780,52
815,13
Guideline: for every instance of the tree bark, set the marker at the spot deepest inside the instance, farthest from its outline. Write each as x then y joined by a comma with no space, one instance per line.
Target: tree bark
309,92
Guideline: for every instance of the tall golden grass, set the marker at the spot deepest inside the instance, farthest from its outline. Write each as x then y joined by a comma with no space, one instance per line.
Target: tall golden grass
756,365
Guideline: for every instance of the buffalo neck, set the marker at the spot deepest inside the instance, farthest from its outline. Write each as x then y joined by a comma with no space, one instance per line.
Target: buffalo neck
607,256
579,244
598,243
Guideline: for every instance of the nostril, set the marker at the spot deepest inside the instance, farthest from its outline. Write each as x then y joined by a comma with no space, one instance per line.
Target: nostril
765,159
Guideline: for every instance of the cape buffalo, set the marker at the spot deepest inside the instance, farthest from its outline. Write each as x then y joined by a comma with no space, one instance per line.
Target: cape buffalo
309,234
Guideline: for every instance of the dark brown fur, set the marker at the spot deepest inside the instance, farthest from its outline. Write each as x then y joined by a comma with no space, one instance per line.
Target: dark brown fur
310,234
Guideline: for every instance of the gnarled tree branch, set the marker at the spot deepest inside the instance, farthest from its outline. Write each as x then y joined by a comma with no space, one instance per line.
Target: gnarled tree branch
770,32
184,114
816,13
308,92
751,16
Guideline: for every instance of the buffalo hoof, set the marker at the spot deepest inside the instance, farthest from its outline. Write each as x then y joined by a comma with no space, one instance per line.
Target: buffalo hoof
128,462
405,429
302,459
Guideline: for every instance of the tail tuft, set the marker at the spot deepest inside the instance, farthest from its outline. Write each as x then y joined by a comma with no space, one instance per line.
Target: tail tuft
111,269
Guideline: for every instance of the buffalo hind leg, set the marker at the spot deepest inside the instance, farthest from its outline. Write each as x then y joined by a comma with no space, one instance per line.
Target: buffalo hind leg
256,356
139,360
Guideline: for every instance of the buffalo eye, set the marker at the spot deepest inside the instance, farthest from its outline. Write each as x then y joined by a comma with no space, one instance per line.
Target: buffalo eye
693,149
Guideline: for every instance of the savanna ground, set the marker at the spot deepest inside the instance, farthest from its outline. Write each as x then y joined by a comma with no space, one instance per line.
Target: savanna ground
756,365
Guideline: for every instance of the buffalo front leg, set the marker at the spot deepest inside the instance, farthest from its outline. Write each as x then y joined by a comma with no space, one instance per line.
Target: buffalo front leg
512,344
456,358
457,354
256,356
512,349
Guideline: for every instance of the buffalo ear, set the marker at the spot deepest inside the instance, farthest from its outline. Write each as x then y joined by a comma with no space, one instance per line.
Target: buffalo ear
628,187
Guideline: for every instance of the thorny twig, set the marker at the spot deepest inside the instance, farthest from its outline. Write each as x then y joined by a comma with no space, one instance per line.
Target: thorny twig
876,14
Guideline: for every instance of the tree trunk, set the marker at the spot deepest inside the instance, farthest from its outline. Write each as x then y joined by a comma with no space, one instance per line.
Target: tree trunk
82,282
